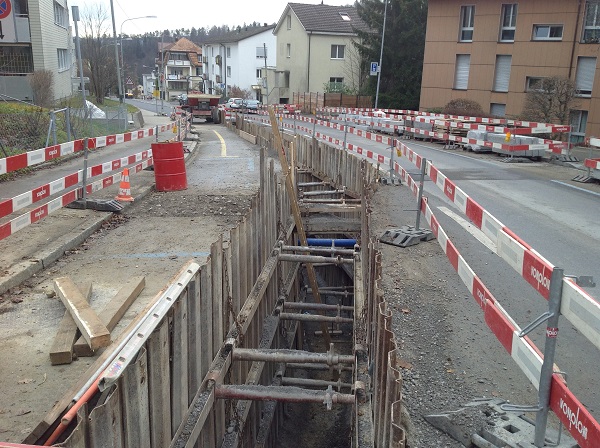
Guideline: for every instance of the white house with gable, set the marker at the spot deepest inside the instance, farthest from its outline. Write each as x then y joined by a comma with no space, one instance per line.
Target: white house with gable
239,58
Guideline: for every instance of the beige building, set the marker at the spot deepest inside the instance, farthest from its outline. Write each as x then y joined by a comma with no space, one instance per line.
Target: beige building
36,35
494,52
315,50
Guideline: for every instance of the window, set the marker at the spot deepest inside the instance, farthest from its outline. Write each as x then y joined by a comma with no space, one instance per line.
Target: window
461,75
591,24
336,84
289,50
337,51
467,22
228,52
547,32
63,59
584,79
534,84
502,73
578,125
259,73
498,110
345,17
229,71
509,23
261,52
60,15
289,22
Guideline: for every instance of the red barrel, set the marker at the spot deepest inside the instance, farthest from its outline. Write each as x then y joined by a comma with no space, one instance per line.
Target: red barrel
169,166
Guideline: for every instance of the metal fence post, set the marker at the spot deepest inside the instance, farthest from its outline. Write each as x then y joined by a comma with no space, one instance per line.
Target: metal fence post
49,128
85,167
541,419
392,161
54,128
420,197
156,138
68,122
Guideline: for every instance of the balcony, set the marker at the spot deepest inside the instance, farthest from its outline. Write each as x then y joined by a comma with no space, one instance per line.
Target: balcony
177,63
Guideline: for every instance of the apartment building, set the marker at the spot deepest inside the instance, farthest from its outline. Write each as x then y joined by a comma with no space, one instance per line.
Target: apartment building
239,58
35,35
494,52
315,48
181,67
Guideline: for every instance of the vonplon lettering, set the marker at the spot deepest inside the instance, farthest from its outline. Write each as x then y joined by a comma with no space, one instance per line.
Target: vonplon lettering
39,213
573,418
41,193
540,278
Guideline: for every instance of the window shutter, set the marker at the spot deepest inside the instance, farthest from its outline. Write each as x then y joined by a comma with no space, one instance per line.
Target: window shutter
498,110
502,75
584,80
461,77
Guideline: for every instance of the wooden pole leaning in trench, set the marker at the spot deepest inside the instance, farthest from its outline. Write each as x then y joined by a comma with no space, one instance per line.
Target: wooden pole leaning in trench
312,278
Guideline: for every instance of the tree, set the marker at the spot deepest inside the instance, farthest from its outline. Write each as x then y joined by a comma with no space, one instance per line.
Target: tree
404,48
237,92
463,106
550,101
98,51
42,85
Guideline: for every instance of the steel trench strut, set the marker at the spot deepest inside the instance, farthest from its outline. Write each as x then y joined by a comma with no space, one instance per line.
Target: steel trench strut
316,318
285,355
316,306
326,250
311,259
289,394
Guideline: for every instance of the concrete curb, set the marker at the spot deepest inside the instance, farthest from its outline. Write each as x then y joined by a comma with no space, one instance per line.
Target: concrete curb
43,259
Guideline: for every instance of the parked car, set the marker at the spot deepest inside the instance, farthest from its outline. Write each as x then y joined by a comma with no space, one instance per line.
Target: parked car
251,106
234,103
182,97
128,94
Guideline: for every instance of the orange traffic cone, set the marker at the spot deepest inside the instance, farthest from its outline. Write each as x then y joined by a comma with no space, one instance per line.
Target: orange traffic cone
124,188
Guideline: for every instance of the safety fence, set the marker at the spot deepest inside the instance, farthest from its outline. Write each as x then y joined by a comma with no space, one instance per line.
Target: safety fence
309,102
580,308
135,163
164,383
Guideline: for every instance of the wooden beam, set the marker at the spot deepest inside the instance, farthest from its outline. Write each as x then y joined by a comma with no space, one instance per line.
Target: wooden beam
93,330
61,351
114,311
285,167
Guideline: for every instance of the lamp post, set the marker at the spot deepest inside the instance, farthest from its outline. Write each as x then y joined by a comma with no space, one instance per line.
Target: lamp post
381,55
121,78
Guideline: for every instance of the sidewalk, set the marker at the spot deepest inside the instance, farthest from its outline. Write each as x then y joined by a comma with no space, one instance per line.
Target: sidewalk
36,246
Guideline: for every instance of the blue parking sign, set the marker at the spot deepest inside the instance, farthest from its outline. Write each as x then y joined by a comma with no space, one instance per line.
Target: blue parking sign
374,68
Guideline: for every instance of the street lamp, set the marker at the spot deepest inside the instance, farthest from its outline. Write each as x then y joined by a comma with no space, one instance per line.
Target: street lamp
121,36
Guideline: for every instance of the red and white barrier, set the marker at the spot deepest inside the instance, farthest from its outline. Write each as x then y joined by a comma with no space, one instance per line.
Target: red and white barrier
54,187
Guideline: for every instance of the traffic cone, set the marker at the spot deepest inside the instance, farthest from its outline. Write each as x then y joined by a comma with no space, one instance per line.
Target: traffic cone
124,188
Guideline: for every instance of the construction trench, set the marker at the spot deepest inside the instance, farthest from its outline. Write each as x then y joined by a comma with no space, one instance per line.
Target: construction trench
280,339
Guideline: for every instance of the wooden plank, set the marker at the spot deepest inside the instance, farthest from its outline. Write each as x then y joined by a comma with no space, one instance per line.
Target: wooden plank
88,322
114,311
61,351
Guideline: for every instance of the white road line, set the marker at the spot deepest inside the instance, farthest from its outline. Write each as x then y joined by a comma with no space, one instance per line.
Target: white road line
574,187
478,234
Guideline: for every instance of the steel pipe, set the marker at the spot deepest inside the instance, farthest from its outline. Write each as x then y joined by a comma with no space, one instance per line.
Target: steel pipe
316,306
323,250
280,393
287,381
295,365
327,292
330,201
315,318
315,259
312,184
285,355
320,192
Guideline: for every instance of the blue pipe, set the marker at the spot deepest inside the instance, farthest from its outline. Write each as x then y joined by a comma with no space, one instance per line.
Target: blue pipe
330,243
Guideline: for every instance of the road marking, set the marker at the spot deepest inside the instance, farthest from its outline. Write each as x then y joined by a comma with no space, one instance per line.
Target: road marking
223,146
576,188
478,234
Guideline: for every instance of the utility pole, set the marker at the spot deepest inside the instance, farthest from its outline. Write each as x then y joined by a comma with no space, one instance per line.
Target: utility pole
120,87
381,54
265,77
162,73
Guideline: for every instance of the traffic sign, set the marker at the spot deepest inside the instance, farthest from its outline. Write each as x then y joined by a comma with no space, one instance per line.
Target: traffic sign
129,82
374,68
5,8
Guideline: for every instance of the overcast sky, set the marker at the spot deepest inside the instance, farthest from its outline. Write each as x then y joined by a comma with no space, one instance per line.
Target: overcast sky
175,14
